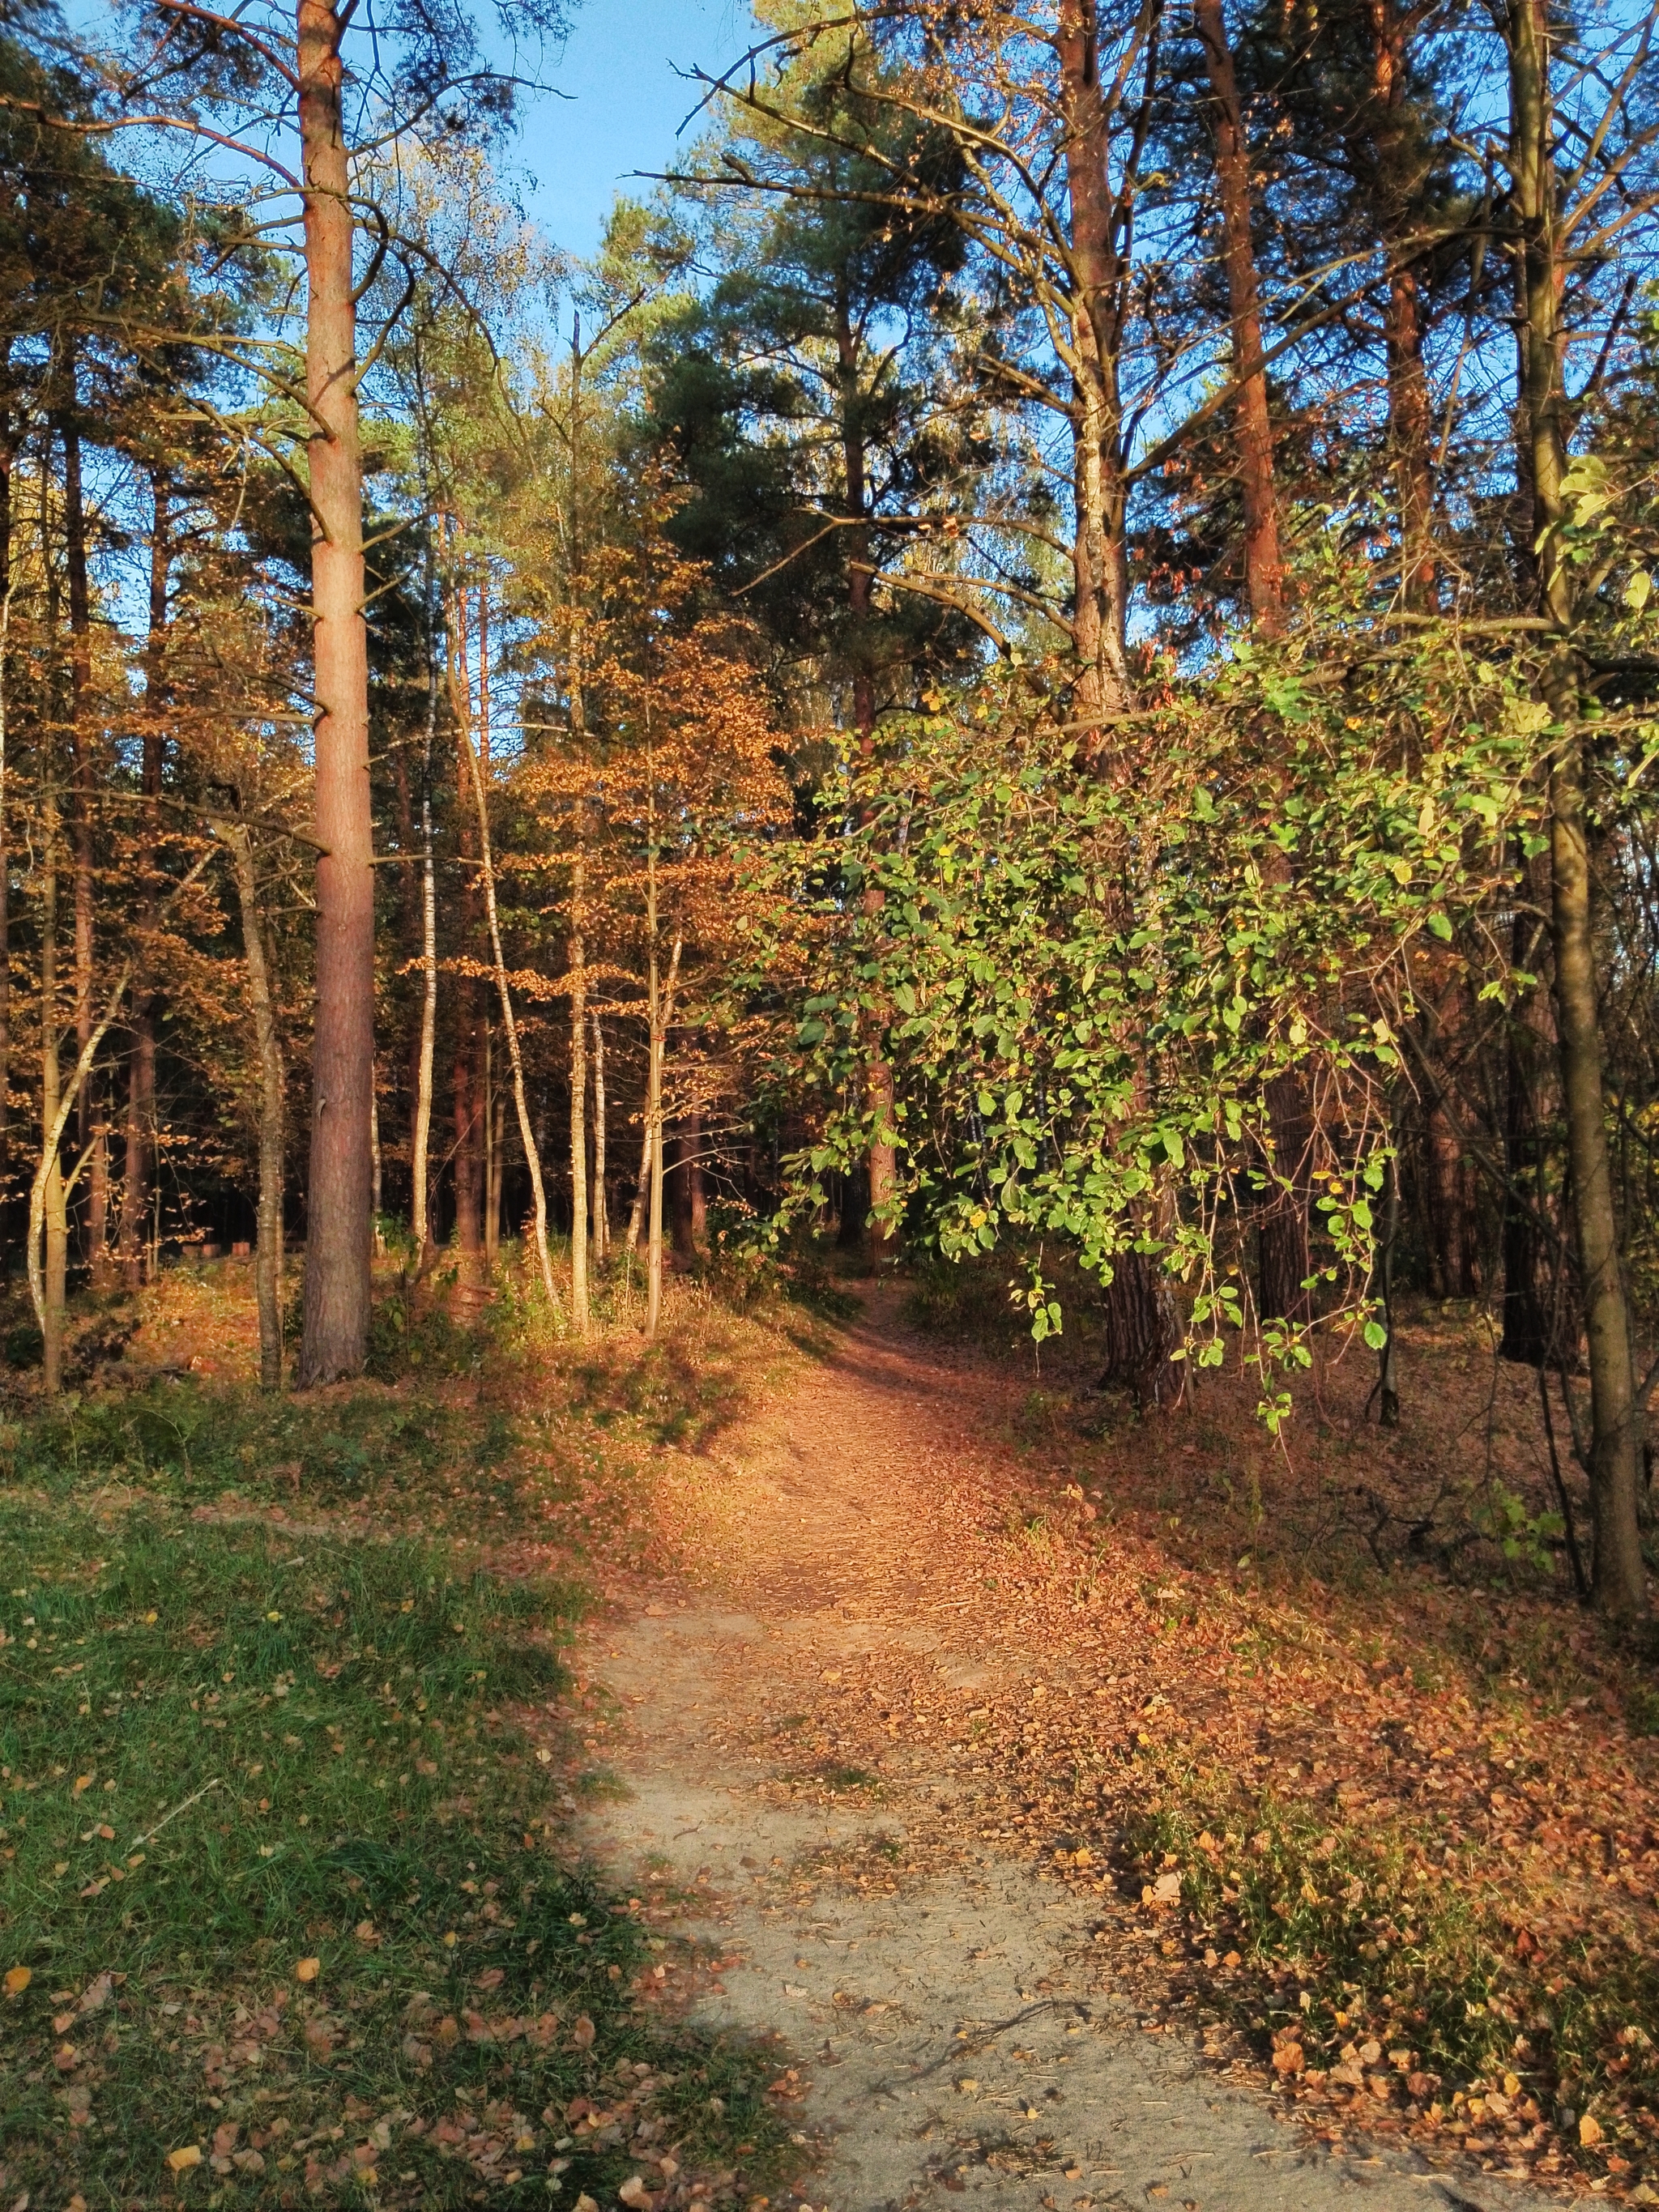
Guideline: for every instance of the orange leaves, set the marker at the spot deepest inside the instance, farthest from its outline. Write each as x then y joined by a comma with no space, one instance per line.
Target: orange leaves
307,1970
17,1979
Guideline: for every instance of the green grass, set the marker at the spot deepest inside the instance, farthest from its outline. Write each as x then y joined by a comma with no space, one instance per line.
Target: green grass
227,1748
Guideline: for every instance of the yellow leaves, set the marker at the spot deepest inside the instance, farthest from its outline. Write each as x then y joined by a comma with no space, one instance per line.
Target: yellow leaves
151,1617
307,1970
967,2085
273,1616
83,1782
182,2159
17,1980
1589,2131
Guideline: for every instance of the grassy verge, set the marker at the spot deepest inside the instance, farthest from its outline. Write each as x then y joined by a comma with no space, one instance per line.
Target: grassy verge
287,1913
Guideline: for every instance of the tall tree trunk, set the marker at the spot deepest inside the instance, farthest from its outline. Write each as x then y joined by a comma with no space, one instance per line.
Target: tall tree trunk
420,1141
338,1196
1284,1258
141,1064
878,1074
1264,565
268,1252
468,1107
576,967
57,1223
601,1200
7,584
636,1218
1619,1579
698,1181
510,1029
1527,1333
682,1147
1100,556
656,1053
1397,188
91,1140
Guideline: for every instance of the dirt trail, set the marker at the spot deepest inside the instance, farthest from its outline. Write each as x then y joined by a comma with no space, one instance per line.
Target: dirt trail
969,2023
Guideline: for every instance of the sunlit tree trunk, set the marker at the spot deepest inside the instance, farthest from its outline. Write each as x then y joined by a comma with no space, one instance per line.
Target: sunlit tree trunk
89,1136
339,1192
141,1065
879,1095
601,1204
1410,409
510,1029
1100,562
1264,564
268,1252
1620,1580
7,584
420,1134
51,1081
576,972
637,1212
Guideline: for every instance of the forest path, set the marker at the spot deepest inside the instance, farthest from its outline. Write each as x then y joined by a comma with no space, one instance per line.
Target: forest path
970,2026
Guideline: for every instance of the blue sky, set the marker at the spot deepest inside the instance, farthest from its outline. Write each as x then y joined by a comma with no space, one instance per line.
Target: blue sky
623,104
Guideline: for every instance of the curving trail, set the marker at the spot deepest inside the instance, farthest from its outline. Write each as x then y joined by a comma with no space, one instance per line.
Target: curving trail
971,2026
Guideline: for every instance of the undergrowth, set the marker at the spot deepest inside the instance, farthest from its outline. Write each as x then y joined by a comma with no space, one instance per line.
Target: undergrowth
1363,1955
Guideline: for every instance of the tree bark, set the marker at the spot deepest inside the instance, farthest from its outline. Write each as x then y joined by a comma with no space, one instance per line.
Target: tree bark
601,1200
338,1192
467,1105
1397,189
91,1140
141,1065
7,584
268,1252
1100,553
878,1075
1619,1577
420,1134
1527,1332
510,1029
576,968
55,1288
1264,564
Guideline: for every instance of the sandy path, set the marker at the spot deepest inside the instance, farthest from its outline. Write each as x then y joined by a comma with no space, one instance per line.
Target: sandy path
968,2022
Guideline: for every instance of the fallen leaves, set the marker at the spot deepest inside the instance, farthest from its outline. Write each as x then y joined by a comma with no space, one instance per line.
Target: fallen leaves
307,1970
17,1980
188,2155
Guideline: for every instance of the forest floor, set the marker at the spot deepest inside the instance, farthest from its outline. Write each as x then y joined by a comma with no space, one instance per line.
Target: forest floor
1012,1796
882,1717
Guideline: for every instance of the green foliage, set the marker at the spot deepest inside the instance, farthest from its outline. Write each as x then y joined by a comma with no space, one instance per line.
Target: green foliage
1088,975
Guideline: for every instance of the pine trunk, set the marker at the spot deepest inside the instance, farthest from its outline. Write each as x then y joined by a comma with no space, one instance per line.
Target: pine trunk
1264,564
338,1194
